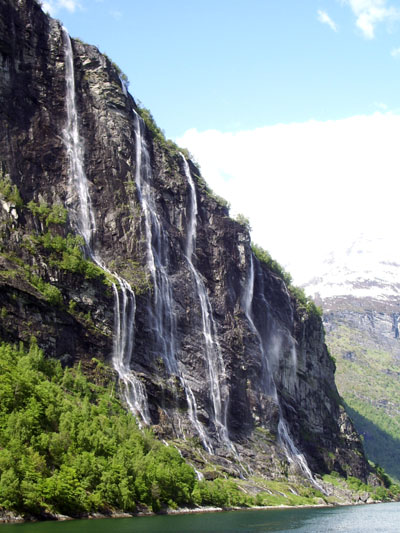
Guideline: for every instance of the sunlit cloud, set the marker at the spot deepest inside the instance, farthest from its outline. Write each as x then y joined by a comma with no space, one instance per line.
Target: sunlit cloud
324,18
54,6
307,187
369,13
395,52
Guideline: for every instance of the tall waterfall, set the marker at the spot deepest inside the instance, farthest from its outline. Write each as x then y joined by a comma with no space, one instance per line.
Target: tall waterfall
247,301
287,443
215,363
162,312
82,216
83,219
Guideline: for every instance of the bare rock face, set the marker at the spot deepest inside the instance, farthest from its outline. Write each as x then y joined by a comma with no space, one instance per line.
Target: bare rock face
223,351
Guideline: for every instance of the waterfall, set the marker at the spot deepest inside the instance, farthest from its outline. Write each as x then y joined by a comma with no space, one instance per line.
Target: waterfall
83,217
83,220
162,314
124,329
286,440
215,363
247,301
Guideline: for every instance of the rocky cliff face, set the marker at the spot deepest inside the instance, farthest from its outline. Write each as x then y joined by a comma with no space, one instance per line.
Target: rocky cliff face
113,248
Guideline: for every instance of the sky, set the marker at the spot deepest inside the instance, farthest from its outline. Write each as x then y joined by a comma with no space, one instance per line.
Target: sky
290,107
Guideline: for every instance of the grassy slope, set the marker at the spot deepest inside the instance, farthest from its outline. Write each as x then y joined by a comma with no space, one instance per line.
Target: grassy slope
368,381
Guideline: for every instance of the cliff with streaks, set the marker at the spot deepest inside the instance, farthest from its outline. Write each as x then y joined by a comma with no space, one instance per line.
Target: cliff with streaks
112,248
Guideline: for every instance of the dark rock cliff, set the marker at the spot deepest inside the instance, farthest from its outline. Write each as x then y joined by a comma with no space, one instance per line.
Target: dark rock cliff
220,348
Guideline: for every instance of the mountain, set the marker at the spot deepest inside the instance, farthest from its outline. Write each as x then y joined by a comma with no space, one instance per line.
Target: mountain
360,294
114,250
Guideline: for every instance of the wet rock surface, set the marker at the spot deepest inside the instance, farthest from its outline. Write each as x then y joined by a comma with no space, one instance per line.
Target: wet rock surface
79,324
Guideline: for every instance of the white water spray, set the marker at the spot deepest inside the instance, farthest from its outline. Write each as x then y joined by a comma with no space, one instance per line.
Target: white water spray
215,363
84,221
290,449
162,313
82,217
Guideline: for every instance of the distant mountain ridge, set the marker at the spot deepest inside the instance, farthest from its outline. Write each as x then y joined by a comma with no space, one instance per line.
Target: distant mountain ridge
359,291
367,268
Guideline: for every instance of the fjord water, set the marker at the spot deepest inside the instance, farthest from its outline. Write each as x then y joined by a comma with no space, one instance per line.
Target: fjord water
383,517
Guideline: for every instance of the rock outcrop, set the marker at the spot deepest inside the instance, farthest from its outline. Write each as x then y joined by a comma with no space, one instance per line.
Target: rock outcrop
169,288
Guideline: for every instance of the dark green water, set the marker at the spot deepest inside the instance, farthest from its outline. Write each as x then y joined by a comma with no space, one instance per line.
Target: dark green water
361,519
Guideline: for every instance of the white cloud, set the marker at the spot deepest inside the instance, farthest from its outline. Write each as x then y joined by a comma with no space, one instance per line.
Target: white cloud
54,6
326,19
395,52
369,13
307,187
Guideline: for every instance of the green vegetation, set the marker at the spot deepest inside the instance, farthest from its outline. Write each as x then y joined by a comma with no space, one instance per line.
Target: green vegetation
265,257
303,301
159,135
285,493
9,191
367,379
380,493
173,149
67,445
133,273
243,221
50,292
55,214
22,270
120,72
66,254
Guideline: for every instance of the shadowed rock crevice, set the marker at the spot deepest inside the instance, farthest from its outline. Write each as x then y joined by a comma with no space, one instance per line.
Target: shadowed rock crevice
214,375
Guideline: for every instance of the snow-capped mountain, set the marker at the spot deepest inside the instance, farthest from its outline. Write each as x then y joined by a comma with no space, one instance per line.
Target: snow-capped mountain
369,267
358,289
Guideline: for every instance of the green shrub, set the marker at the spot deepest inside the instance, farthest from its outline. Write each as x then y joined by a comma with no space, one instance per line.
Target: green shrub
68,446
265,257
243,221
303,301
55,214
67,255
50,292
10,191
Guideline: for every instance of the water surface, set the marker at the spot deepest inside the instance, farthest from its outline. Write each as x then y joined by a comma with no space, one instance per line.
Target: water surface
356,519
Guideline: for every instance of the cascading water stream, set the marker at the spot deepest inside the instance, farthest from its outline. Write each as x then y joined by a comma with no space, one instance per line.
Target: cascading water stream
215,363
162,313
124,330
84,221
82,218
291,451
267,377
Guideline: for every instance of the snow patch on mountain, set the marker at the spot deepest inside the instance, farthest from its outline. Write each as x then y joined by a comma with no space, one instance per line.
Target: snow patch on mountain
369,266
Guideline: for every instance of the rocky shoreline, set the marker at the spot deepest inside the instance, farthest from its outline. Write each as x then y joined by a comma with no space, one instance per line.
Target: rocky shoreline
10,518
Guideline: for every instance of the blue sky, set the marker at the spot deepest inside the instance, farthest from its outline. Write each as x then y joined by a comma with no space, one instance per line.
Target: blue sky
240,64
291,107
